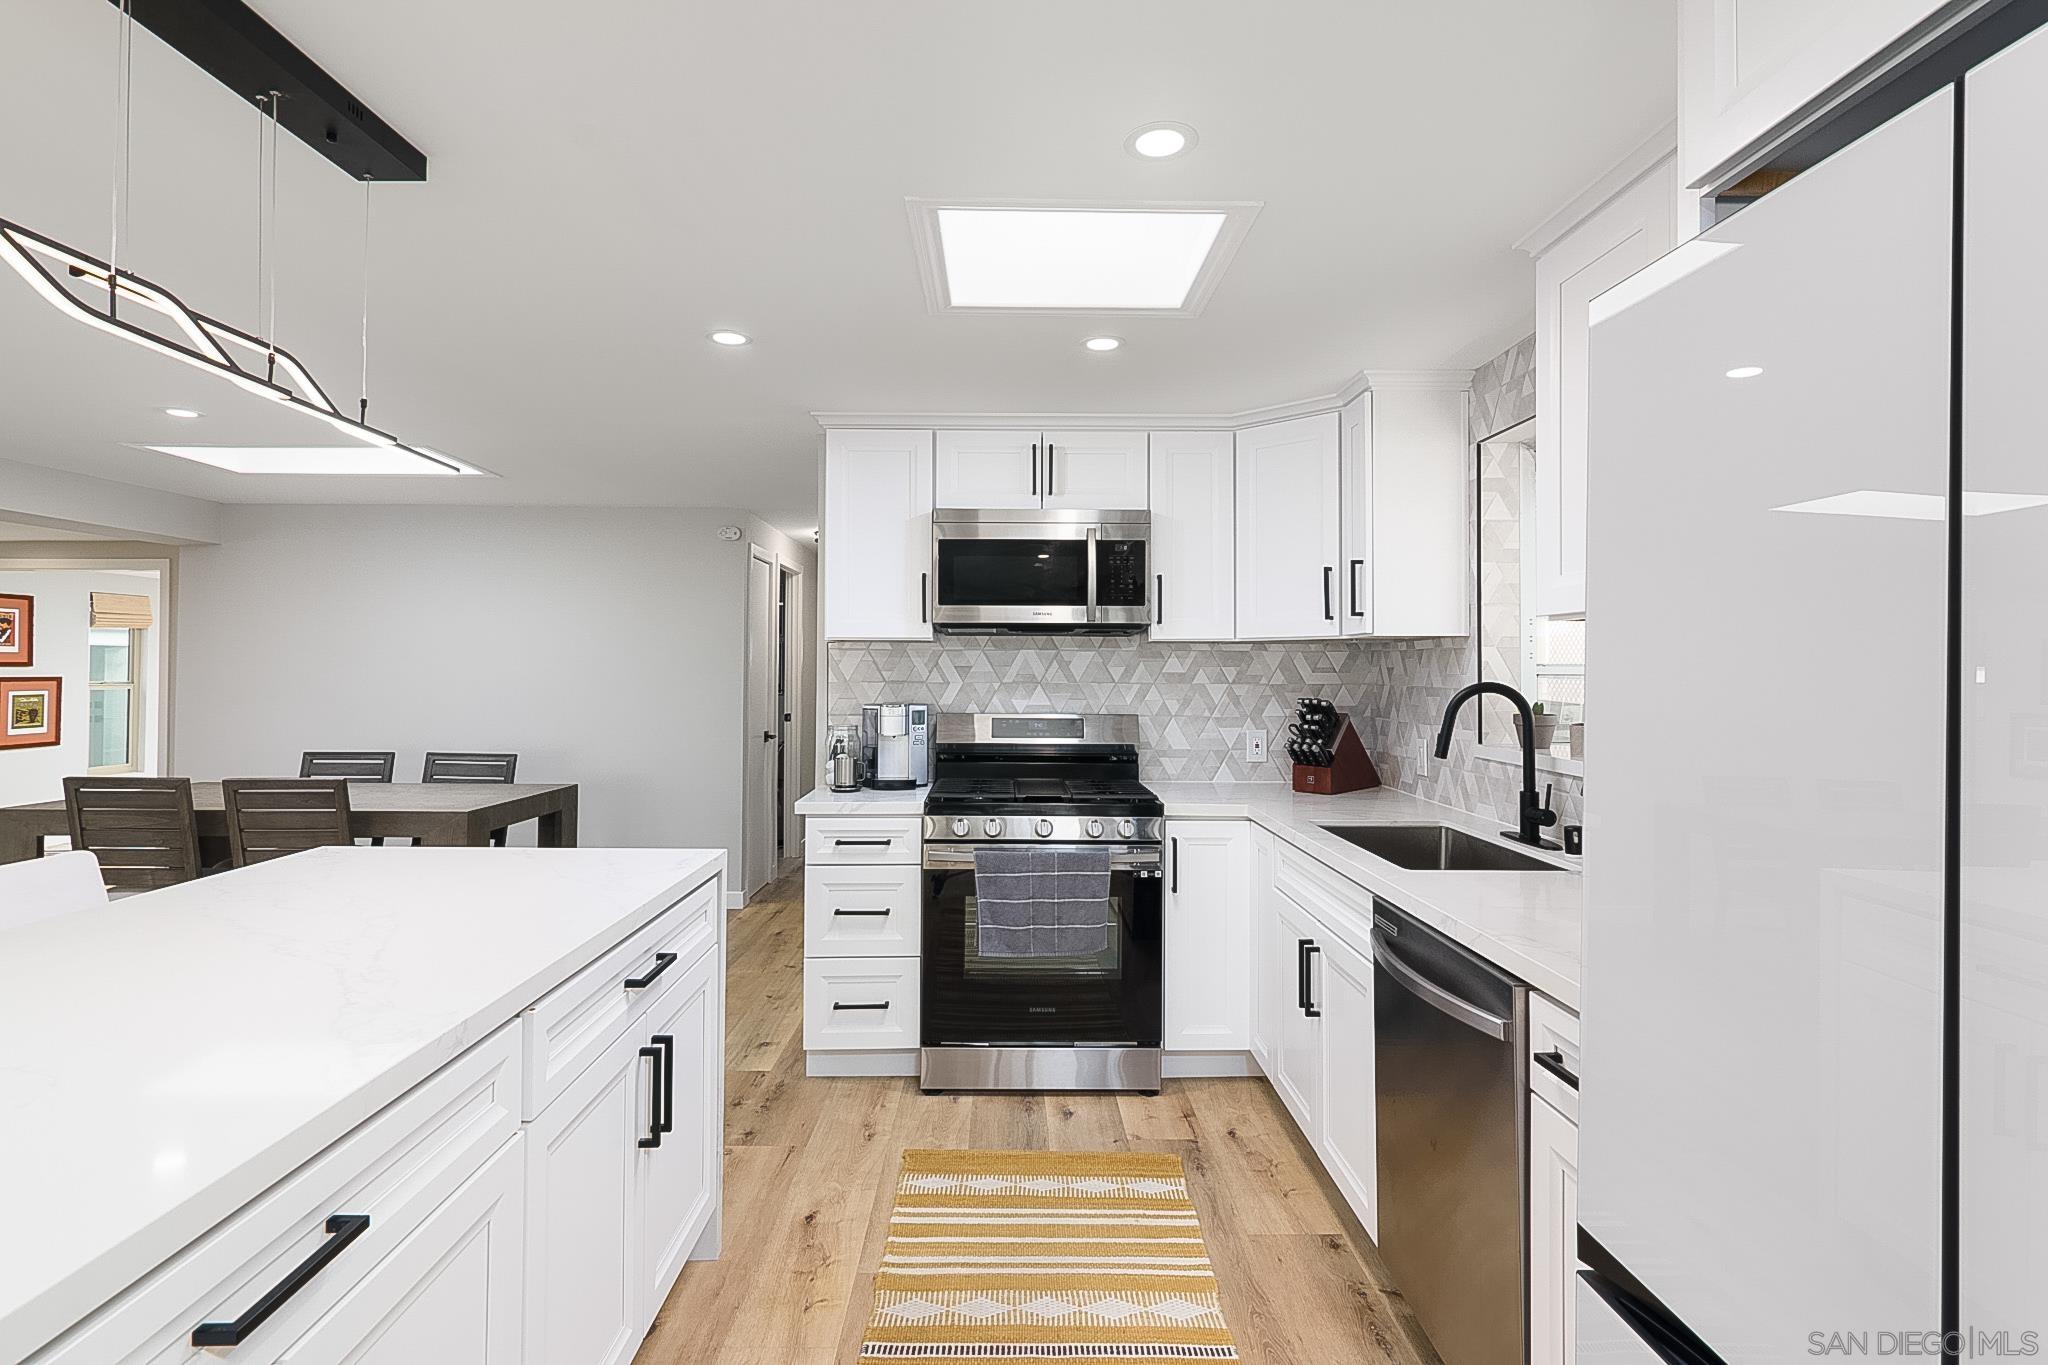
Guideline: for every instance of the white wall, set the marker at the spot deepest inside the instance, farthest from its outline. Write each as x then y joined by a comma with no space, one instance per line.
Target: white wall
63,626
604,646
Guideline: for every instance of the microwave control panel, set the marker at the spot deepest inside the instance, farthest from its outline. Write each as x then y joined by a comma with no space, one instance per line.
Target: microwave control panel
1120,573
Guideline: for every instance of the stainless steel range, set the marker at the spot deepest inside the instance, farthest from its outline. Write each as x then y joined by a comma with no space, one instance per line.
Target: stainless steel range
1086,1019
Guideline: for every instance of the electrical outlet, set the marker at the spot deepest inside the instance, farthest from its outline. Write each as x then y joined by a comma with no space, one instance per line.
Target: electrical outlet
1255,746
1422,768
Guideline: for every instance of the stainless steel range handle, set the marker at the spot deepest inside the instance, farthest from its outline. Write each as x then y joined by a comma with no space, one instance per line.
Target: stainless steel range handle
960,857
1435,996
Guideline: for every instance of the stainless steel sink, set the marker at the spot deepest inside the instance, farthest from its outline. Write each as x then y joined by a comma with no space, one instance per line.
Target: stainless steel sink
1437,848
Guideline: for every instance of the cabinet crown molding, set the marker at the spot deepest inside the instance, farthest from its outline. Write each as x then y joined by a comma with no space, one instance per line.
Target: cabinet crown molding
1659,147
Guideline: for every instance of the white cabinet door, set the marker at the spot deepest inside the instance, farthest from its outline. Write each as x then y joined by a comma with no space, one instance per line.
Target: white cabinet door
1420,550
1553,1233
1193,499
1095,470
1269,963
450,1292
1288,529
1208,925
1632,230
877,542
988,469
1350,1145
1354,446
676,1185
582,1230
1297,1073
1748,66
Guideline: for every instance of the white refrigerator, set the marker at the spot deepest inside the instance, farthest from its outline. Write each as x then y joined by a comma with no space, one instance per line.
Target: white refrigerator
1814,1117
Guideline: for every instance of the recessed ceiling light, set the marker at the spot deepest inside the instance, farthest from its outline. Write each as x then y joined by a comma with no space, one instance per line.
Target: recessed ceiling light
1103,343
309,459
1745,371
724,338
1157,141
179,412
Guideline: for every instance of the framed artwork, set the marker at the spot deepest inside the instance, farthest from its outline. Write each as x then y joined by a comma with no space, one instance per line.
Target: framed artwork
31,712
17,631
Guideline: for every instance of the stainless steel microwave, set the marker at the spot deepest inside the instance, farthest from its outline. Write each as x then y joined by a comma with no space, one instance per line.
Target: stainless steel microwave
1032,570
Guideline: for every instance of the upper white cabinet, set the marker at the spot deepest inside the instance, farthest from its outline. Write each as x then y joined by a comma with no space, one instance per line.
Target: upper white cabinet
1618,239
1404,459
1289,529
1747,68
1194,530
878,535
1208,931
1030,469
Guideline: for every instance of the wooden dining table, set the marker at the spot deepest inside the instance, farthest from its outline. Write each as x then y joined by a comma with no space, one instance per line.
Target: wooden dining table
443,814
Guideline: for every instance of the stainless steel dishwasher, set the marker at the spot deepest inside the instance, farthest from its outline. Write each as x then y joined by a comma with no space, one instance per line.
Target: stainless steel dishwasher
1452,1077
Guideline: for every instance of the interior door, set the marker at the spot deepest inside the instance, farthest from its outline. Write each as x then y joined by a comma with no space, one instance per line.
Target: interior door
1770,446
1288,529
763,725
2004,964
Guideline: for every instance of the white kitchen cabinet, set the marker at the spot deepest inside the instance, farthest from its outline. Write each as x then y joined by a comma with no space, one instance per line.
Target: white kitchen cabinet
1193,497
1747,68
1406,529
676,1183
1208,934
1553,1233
988,469
1096,470
1630,231
863,943
1268,963
1289,529
877,535
1350,1104
1297,1070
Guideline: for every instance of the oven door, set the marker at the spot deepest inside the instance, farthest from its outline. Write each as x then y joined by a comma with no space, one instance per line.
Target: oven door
1106,999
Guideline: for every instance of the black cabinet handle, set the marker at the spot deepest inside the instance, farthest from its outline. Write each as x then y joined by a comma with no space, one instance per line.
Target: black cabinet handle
1553,1062
667,1043
1329,614
1311,1008
1161,595
862,913
1034,469
870,1005
342,1228
1301,951
662,962
1356,565
924,598
1175,888
654,1128
860,843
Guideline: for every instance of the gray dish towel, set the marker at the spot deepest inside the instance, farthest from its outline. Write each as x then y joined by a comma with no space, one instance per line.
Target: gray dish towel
1042,902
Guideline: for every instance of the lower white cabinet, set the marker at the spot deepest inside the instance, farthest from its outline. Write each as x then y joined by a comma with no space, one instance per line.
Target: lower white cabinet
1297,1070
861,1004
1350,1104
1269,991
1553,1234
1208,935
676,1183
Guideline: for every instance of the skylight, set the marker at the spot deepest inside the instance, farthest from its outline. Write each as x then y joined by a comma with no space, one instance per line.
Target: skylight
307,459
1073,258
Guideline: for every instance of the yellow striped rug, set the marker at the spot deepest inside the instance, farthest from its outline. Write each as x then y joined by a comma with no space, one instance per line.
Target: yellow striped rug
1044,1258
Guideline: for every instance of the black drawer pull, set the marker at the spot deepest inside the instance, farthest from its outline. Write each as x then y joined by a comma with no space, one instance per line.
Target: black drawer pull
863,913
342,1228
662,962
1304,950
862,843
654,1128
1553,1062
667,1043
873,1005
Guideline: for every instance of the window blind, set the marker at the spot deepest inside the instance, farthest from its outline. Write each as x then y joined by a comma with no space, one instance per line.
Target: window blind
120,611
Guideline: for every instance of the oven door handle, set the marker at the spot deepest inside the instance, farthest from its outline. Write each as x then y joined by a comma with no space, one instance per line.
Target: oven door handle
960,857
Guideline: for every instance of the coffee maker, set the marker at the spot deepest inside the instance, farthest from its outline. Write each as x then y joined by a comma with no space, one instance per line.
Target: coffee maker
895,745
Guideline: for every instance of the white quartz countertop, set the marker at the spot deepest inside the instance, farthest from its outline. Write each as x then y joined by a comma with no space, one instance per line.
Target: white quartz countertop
1527,923
825,801
166,1059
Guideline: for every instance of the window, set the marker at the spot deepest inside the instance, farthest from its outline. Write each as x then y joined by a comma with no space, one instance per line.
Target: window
1542,657
115,724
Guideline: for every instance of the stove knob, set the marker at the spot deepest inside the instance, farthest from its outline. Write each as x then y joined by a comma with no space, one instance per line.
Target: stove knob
1043,829
1095,829
992,828
1127,829
959,828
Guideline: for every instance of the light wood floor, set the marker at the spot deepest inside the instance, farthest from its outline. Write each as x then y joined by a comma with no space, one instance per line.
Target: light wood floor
810,1165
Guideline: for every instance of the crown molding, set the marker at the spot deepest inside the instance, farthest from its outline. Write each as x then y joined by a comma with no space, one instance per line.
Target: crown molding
1362,382
1660,146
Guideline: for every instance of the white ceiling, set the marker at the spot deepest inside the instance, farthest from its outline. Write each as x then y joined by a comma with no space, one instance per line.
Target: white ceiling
611,180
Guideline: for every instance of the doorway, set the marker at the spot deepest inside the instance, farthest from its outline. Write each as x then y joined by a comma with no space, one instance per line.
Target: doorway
760,795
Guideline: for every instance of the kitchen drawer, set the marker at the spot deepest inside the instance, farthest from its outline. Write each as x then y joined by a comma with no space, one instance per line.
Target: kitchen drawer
843,839
1336,900
572,1025
396,1170
861,911
856,1003
1554,1035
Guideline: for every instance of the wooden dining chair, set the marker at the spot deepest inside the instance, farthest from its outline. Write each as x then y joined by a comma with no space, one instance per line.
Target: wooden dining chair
140,828
269,817
471,767
352,765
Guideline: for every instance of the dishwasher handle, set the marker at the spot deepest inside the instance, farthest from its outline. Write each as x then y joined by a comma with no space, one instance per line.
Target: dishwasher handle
1435,996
